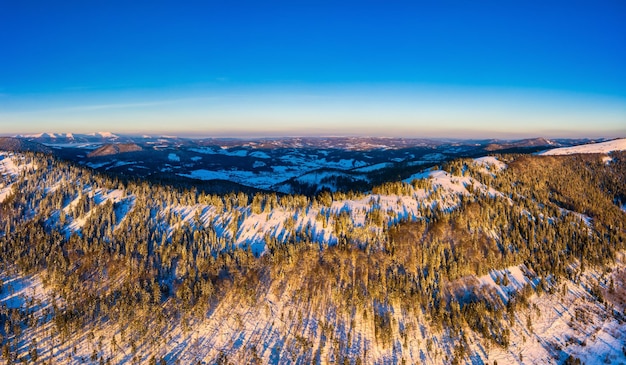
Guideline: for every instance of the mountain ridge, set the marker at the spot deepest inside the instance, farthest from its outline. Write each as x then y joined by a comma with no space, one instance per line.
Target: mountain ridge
304,165
20,145
449,267
348,142
114,149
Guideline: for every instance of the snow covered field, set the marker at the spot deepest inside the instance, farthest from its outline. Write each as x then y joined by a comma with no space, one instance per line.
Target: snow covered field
602,147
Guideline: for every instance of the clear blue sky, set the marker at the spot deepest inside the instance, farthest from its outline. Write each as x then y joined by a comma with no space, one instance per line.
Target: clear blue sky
231,68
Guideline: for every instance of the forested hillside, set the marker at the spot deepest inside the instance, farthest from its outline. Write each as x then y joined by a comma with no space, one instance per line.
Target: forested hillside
507,259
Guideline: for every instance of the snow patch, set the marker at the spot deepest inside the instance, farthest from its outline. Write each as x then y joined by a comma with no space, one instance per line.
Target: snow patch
7,165
602,147
10,168
490,162
374,167
434,157
120,164
94,165
105,135
259,154
220,151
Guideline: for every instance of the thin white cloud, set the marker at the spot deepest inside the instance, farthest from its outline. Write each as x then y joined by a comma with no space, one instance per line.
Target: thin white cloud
112,106
116,105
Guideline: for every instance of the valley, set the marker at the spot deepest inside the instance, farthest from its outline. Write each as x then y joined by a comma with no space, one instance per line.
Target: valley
284,165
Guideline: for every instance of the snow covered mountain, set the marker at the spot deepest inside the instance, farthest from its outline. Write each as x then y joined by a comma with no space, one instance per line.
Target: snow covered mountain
515,259
601,147
298,165
69,138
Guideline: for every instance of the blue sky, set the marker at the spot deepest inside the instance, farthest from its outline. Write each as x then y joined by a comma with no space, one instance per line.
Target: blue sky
230,68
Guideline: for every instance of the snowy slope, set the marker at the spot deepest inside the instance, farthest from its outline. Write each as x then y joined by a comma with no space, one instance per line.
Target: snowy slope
556,329
11,166
489,161
569,322
443,191
234,326
7,165
602,147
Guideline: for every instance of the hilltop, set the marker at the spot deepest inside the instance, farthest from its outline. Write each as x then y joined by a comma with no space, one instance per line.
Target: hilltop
603,148
20,145
114,149
513,258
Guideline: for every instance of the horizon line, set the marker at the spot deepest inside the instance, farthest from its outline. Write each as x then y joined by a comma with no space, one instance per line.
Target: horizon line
234,136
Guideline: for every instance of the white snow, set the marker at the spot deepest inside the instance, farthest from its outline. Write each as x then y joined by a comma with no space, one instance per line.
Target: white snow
121,163
173,157
86,146
38,135
348,164
5,190
100,196
273,324
259,154
105,135
220,151
94,165
263,325
374,167
262,179
444,195
434,157
9,170
203,174
602,147
489,161
18,290
451,183
7,165
556,329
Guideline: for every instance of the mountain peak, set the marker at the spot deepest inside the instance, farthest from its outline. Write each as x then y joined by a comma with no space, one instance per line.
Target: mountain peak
104,135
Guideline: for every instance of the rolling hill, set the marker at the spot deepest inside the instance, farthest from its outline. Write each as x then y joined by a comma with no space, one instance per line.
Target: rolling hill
510,258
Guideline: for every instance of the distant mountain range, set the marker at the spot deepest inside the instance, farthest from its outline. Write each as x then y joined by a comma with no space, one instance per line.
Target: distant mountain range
302,165
346,143
70,137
